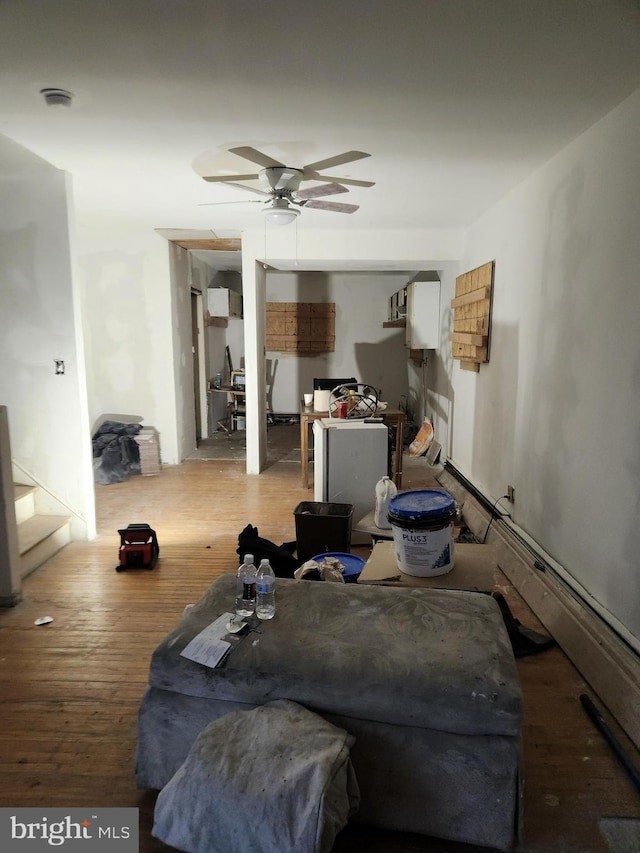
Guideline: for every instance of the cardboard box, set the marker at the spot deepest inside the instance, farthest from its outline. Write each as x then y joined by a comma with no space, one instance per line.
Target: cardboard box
475,569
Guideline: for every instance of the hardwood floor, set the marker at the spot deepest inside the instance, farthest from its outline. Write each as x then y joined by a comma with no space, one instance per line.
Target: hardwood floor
70,690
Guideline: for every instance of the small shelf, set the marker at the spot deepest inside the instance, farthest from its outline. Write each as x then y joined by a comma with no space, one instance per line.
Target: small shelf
395,324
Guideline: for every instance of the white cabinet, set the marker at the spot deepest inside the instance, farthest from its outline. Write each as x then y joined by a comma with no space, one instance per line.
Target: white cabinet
222,302
423,315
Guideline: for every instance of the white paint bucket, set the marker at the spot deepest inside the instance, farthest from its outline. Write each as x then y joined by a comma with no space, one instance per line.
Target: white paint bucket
422,525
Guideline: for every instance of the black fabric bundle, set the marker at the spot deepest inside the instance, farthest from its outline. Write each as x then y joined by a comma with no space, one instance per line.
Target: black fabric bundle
116,454
281,557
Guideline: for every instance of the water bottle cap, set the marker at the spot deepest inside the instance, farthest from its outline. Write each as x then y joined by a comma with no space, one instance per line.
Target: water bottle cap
248,558
264,562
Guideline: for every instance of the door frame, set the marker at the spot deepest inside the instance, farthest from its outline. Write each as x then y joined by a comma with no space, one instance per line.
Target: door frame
199,366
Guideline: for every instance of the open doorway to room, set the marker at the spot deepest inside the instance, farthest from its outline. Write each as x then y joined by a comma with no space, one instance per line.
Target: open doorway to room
361,346
217,275
209,335
365,346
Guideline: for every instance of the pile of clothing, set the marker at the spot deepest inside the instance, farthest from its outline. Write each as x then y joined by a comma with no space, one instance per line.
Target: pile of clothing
116,455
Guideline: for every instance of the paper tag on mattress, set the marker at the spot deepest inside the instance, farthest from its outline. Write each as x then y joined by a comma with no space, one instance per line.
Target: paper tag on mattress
208,647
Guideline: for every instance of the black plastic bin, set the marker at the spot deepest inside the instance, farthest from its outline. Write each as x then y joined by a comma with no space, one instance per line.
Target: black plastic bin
322,527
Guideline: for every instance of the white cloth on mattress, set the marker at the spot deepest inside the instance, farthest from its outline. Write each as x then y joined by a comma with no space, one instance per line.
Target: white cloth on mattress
275,779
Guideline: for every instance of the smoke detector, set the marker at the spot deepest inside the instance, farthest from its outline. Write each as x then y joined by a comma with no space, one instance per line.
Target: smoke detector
57,97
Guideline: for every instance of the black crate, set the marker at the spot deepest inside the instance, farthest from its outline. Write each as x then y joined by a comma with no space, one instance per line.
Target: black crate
322,527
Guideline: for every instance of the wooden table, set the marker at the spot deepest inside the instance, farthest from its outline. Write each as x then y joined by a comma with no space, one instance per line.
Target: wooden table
391,417
237,396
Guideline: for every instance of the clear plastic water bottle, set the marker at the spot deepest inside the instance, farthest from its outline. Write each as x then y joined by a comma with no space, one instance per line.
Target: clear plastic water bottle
265,591
246,587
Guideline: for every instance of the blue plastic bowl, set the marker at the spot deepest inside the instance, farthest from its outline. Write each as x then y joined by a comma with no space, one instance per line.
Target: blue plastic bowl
353,564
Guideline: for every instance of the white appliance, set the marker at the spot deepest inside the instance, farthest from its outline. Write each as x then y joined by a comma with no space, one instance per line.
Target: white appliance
349,457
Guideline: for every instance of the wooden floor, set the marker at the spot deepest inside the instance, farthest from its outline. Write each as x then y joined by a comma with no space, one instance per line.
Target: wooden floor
70,690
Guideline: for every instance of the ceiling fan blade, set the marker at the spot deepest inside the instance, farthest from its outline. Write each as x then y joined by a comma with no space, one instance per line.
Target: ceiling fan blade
247,189
256,156
336,207
350,182
227,178
338,160
325,189
238,201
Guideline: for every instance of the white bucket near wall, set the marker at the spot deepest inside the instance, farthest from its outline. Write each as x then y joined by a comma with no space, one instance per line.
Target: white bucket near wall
422,525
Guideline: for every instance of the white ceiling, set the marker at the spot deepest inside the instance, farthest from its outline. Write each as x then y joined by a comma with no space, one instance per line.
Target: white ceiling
456,100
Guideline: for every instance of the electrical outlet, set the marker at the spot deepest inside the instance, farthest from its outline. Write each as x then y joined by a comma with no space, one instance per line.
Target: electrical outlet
59,363
511,494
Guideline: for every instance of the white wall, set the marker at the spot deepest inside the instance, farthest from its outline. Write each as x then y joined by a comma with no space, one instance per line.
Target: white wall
363,348
129,328
48,416
430,390
556,412
182,338
254,287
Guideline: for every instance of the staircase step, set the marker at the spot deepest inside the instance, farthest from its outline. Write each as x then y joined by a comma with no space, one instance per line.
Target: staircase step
40,537
24,498
32,531
22,489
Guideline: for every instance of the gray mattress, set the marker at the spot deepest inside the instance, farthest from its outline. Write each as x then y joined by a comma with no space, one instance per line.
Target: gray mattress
425,680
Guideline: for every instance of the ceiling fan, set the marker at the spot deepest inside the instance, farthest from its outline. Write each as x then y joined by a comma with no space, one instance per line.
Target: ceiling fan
281,184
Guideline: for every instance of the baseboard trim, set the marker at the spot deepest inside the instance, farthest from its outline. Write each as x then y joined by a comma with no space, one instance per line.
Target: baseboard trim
604,660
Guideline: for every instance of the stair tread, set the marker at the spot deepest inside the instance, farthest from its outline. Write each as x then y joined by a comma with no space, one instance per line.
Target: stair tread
22,489
38,527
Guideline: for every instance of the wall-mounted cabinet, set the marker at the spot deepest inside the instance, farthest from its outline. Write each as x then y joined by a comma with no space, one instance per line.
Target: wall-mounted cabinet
423,315
222,302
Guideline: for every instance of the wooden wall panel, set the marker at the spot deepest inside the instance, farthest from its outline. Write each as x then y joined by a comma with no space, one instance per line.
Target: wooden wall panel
302,327
472,316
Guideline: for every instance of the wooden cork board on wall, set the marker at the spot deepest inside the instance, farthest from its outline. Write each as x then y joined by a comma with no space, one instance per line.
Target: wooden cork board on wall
301,327
472,317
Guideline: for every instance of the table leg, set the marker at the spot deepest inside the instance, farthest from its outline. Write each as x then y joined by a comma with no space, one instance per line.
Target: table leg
397,474
304,450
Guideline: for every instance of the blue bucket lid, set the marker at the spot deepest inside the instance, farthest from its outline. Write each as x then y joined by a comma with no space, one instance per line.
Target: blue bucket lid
421,503
351,562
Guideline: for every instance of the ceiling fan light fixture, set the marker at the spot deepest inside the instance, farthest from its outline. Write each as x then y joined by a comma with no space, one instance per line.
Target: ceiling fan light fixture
280,213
